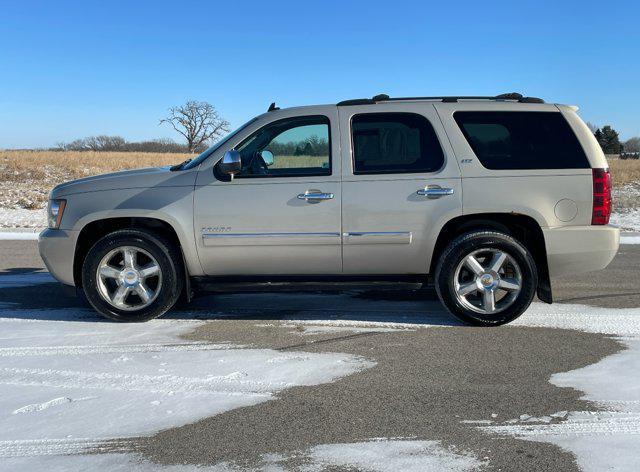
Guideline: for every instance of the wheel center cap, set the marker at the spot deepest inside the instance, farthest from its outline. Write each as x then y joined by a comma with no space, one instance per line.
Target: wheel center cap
130,277
487,280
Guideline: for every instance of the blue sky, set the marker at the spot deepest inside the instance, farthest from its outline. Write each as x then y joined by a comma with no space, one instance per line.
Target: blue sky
71,69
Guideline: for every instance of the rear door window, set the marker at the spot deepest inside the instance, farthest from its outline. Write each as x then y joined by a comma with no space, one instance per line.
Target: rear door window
522,140
394,143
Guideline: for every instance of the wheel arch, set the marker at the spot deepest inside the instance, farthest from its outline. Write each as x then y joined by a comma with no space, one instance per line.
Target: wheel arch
523,228
94,230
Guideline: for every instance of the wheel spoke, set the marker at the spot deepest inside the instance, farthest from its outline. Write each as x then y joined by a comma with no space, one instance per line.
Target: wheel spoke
120,295
129,258
466,289
143,292
489,301
510,285
109,272
149,270
498,261
473,264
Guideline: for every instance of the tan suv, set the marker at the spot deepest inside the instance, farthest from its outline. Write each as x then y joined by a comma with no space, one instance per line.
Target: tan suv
485,197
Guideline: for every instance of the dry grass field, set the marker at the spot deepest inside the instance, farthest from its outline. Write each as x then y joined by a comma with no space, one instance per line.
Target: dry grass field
625,172
26,177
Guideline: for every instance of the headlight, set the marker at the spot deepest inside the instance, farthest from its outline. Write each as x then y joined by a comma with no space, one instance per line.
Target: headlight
54,212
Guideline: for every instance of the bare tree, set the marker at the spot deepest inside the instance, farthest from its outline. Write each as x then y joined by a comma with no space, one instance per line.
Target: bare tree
198,122
592,127
632,144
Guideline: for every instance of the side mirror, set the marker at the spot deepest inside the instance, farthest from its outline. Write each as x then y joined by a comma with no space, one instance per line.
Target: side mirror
231,163
267,157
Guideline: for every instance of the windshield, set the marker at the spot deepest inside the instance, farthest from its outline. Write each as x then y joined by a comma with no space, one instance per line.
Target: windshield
195,162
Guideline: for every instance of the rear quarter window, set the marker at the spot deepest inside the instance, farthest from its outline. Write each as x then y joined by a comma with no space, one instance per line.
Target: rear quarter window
522,140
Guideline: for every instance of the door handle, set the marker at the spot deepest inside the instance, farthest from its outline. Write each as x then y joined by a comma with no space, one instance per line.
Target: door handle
314,196
435,191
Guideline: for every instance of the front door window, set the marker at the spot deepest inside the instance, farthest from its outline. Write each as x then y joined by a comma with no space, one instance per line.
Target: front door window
293,147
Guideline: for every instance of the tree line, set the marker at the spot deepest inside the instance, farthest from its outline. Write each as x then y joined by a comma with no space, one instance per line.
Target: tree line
119,144
609,140
312,146
198,122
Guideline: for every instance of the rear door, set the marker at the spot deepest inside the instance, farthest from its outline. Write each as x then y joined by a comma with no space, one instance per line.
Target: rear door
281,214
401,184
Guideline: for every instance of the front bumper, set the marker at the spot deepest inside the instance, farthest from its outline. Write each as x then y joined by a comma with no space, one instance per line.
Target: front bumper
57,249
575,249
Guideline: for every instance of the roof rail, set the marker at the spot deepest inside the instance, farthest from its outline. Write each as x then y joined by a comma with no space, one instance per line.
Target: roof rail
513,96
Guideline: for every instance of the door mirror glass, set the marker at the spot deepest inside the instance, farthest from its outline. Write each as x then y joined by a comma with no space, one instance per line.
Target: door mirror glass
267,157
231,163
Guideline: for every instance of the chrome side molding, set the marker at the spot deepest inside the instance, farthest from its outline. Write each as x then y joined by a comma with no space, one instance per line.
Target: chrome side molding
377,237
269,239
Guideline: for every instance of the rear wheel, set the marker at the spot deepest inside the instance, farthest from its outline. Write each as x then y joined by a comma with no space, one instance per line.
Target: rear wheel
486,278
132,275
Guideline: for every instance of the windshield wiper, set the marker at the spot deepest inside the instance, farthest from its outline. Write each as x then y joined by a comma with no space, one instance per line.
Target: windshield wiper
179,166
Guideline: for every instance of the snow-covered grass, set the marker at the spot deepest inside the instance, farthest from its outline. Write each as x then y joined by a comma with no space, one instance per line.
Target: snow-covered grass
22,218
629,220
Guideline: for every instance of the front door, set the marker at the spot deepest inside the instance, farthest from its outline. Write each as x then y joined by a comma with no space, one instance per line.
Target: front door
281,214
401,184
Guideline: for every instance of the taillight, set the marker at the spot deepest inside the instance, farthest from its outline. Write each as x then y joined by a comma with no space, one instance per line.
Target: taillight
601,197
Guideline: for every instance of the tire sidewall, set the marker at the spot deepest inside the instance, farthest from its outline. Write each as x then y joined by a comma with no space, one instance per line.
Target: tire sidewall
159,249
468,243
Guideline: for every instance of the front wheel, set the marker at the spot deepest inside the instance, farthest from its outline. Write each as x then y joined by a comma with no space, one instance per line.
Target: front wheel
486,278
132,275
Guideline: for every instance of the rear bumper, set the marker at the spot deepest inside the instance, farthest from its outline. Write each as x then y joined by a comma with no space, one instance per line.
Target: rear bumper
57,248
575,249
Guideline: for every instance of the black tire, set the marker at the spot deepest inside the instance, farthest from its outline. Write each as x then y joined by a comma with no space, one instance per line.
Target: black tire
466,244
165,253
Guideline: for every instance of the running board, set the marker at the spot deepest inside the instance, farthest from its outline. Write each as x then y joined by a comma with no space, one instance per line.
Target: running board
235,284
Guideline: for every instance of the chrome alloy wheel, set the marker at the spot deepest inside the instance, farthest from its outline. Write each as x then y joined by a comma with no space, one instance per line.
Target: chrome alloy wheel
129,278
487,281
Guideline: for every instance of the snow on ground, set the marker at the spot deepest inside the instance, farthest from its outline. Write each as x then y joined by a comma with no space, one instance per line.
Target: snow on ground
629,220
376,455
390,456
67,387
22,218
601,440
61,370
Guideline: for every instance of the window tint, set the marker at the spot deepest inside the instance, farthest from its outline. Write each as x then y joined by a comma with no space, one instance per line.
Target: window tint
291,147
522,140
393,143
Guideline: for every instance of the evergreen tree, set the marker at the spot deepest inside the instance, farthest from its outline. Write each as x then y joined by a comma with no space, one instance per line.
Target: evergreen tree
608,139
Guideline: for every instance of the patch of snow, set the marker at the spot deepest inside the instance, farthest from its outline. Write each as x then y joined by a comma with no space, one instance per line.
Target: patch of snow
353,326
627,220
629,239
22,218
390,456
379,455
18,236
620,321
144,375
601,440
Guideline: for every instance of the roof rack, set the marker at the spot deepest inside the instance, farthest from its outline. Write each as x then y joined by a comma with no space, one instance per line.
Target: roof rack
513,96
